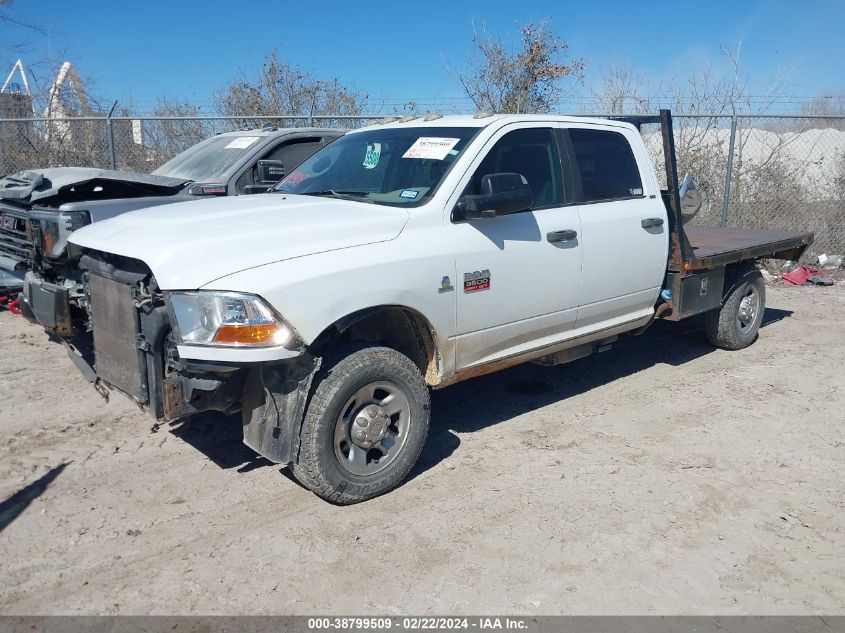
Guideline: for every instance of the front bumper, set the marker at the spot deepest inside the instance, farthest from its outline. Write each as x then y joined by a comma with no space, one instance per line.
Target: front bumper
48,303
10,279
134,352
240,355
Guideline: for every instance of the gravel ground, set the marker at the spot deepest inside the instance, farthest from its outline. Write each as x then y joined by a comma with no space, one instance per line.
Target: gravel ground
660,477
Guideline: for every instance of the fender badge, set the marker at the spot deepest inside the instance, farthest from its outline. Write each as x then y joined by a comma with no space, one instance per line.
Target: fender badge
478,280
445,285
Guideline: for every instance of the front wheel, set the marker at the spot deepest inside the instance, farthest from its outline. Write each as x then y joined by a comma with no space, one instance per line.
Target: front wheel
735,325
365,426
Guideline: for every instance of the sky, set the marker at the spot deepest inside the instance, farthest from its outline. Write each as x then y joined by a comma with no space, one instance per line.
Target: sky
396,51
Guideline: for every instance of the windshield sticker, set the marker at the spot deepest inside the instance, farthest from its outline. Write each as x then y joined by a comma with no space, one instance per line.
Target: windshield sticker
431,147
410,194
242,142
372,156
295,177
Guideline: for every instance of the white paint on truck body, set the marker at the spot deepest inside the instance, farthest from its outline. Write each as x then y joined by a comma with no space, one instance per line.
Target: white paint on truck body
317,260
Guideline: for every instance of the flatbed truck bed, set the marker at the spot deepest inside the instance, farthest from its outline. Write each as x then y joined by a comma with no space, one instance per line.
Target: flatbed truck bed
720,246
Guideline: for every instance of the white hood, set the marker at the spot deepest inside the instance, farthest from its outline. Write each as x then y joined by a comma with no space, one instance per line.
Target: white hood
190,244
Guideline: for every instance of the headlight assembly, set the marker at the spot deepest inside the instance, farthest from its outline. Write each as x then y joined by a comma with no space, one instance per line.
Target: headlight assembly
56,228
229,319
49,237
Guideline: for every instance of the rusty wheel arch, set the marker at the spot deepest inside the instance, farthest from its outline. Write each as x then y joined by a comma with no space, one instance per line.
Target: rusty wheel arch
398,327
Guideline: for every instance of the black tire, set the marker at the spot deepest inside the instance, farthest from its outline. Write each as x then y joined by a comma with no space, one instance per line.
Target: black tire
319,467
724,327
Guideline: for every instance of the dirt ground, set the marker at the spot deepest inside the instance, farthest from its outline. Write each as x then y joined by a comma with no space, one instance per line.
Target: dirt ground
660,477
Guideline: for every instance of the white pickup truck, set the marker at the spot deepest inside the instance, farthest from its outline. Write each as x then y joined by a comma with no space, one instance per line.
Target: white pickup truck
404,256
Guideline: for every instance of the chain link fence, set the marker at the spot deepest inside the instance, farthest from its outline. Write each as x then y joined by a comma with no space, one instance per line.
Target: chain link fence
754,171
765,172
128,143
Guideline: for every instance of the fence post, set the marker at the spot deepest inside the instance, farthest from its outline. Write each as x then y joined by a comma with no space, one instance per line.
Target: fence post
110,133
728,173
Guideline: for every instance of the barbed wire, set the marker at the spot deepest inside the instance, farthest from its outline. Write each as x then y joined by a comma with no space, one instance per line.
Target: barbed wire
773,105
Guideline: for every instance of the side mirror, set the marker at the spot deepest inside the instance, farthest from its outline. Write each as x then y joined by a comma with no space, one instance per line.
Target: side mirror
270,172
250,189
501,194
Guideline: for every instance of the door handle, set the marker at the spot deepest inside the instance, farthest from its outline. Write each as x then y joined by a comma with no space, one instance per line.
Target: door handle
652,223
566,235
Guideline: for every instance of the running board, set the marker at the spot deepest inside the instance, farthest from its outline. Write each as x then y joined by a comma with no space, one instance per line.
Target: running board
574,353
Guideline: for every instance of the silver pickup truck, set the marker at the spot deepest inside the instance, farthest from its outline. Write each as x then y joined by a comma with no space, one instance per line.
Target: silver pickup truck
39,209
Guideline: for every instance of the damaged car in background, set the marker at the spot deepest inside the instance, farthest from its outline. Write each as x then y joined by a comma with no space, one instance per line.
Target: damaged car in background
40,209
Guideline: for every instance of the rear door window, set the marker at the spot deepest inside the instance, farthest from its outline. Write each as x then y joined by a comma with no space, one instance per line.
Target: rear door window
606,165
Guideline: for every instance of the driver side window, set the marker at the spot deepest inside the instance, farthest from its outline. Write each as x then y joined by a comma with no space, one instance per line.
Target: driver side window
531,152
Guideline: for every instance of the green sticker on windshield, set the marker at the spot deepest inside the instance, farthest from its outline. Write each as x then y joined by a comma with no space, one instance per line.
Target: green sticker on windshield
372,156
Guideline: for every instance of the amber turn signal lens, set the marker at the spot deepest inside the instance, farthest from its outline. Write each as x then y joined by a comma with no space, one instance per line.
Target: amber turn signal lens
247,334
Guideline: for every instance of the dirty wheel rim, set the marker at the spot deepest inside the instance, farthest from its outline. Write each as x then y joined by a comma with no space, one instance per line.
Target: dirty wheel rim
372,428
749,307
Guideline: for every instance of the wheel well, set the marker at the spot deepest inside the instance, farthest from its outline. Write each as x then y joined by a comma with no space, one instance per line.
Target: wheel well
396,327
734,273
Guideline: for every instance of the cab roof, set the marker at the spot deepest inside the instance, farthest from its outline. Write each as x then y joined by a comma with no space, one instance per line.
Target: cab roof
468,120
276,131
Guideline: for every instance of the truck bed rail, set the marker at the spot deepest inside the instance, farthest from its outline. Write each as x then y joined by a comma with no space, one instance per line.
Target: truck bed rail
716,246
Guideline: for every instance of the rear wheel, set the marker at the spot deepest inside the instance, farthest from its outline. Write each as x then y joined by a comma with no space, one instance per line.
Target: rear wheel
365,426
735,325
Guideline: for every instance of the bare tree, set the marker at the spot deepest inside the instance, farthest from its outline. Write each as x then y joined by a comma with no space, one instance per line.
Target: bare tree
7,17
282,88
621,91
761,168
148,143
499,79
832,106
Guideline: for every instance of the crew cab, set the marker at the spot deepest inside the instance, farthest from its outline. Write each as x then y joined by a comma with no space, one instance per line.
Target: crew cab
39,209
401,258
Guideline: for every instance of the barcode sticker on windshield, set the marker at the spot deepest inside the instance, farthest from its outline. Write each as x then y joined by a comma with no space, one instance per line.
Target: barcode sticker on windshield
431,147
242,142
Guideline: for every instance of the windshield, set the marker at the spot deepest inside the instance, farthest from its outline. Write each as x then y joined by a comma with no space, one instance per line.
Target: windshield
211,159
393,166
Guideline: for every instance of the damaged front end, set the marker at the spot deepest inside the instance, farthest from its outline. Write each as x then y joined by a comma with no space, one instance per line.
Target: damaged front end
40,210
132,345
